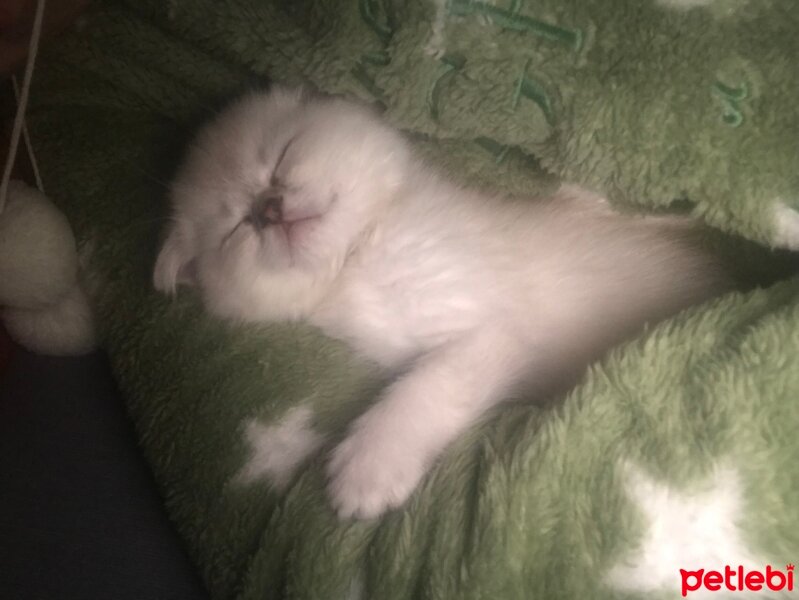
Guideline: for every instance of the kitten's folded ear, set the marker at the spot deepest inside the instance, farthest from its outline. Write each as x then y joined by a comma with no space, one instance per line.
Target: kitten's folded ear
175,264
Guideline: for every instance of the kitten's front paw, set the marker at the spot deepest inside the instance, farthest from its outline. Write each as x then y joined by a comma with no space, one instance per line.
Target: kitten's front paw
371,471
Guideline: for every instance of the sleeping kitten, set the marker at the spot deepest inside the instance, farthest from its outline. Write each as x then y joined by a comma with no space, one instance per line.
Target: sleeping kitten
290,207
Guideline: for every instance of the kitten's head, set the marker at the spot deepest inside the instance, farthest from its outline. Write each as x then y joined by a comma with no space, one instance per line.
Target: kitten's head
277,189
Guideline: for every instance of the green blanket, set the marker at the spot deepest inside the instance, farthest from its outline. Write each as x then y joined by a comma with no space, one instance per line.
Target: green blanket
677,452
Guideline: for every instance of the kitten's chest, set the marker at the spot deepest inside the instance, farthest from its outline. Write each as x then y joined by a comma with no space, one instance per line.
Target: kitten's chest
399,300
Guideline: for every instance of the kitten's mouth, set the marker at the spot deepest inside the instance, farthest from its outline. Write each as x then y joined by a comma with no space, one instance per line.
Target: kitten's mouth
284,236
291,228
267,213
287,226
286,229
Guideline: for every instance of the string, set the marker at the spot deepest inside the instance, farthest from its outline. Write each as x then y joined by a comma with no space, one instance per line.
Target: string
26,136
22,103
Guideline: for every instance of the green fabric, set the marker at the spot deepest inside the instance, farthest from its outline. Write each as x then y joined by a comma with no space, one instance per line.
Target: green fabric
646,102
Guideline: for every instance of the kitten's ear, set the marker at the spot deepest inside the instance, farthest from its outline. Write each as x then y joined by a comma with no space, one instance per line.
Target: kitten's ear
175,264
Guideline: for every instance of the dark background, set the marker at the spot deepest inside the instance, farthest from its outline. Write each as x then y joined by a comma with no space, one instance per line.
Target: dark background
80,516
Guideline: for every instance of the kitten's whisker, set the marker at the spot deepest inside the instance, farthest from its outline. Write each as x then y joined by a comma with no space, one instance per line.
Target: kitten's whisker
175,184
230,233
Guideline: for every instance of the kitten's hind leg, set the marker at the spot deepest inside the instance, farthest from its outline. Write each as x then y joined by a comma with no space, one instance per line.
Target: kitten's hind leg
391,446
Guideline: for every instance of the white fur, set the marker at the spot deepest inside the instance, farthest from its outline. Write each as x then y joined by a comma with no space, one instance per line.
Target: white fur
786,226
468,294
277,450
685,530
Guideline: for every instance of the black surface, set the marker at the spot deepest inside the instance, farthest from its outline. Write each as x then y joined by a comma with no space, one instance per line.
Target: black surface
80,517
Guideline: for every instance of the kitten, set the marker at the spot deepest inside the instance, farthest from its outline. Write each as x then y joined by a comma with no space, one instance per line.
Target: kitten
291,207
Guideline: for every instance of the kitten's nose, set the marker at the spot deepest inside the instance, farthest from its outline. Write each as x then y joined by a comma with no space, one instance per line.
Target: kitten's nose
267,210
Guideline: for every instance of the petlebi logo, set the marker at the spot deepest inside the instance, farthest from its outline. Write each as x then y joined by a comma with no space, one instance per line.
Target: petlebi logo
738,579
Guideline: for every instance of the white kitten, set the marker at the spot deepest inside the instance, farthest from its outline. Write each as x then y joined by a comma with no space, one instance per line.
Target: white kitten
290,207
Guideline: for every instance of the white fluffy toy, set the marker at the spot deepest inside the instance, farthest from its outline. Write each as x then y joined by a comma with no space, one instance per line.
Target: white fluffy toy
42,304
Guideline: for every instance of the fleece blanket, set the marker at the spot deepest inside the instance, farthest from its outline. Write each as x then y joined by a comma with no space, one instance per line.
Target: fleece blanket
669,471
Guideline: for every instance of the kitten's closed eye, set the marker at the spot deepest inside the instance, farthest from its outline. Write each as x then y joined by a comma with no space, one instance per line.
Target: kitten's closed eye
274,181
